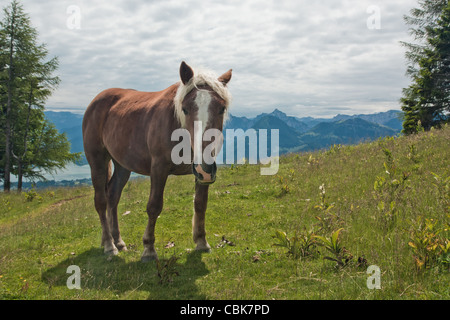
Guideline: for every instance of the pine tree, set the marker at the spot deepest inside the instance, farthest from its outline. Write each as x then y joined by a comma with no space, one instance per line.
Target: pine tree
36,87
439,62
26,81
426,101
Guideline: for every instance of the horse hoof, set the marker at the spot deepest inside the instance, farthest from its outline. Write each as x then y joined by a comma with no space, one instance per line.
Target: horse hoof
112,252
206,249
149,255
121,246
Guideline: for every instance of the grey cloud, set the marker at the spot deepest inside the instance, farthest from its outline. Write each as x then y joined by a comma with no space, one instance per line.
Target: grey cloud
308,57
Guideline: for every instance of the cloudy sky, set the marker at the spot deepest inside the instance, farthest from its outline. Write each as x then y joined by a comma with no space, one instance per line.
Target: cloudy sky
307,58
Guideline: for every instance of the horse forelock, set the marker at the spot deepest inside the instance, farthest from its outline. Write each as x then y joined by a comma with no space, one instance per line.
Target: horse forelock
202,77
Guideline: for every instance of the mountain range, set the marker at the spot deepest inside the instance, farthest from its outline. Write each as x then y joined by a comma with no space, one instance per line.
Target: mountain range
295,134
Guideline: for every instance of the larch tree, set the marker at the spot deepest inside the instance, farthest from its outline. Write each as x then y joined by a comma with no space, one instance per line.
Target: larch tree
30,144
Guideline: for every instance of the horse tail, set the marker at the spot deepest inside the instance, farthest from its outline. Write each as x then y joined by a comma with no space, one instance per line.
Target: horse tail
109,174
96,153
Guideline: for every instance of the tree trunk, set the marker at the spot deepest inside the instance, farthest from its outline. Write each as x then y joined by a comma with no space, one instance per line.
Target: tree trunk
20,177
7,179
25,142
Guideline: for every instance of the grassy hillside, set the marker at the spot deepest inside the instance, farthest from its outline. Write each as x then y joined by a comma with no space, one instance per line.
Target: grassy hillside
271,235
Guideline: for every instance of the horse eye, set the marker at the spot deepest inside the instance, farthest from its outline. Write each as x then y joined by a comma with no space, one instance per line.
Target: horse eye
185,111
222,111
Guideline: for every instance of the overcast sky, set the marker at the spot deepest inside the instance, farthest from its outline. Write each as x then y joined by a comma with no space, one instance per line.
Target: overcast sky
307,58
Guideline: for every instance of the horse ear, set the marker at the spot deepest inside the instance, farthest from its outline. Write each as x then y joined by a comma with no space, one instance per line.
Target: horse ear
226,77
186,72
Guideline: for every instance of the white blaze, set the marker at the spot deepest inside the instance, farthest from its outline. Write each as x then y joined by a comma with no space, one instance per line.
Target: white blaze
202,100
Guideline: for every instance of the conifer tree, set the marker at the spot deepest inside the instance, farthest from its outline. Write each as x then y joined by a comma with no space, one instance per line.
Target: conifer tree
26,81
426,101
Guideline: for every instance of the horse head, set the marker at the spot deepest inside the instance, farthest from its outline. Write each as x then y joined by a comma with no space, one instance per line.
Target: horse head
201,106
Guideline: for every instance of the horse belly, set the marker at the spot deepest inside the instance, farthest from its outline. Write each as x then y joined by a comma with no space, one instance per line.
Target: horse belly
127,148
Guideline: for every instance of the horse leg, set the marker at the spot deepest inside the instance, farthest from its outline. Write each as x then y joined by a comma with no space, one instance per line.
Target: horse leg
100,172
115,187
198,220
158,178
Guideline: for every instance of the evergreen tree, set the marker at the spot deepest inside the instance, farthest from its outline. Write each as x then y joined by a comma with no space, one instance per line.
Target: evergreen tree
26,81
426,101
48,151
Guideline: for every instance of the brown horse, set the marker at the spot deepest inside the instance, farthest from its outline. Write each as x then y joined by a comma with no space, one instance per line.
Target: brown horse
133,130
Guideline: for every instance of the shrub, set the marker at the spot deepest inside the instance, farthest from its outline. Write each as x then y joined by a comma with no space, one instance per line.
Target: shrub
332,244
31,195
430,245
298,246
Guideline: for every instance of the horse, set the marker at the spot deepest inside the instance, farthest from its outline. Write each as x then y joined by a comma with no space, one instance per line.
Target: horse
132,130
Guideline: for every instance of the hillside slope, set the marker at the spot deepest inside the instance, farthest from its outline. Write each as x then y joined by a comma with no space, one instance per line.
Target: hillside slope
387,197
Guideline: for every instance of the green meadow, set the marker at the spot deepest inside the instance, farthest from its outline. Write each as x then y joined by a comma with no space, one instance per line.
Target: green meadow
309,232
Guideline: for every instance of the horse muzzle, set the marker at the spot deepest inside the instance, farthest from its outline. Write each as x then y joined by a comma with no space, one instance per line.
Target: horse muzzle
204,173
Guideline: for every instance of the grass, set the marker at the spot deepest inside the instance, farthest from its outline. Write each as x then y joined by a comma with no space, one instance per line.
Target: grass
318,193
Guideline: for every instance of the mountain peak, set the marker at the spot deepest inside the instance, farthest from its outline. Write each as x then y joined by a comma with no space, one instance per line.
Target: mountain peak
278,112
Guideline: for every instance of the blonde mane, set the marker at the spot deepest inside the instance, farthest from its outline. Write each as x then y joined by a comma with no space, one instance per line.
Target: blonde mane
201,77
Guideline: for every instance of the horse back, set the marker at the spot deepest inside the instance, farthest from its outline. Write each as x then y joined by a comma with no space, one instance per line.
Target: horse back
119,120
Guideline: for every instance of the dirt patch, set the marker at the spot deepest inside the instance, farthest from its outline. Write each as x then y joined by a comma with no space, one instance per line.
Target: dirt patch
63,201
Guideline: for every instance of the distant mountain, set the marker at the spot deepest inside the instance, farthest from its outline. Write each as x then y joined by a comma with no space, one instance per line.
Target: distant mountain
246,123
395,123
350,131
292,122
391,119
75,136
70,123
288,135
238,122
295,134
64,120
307,133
